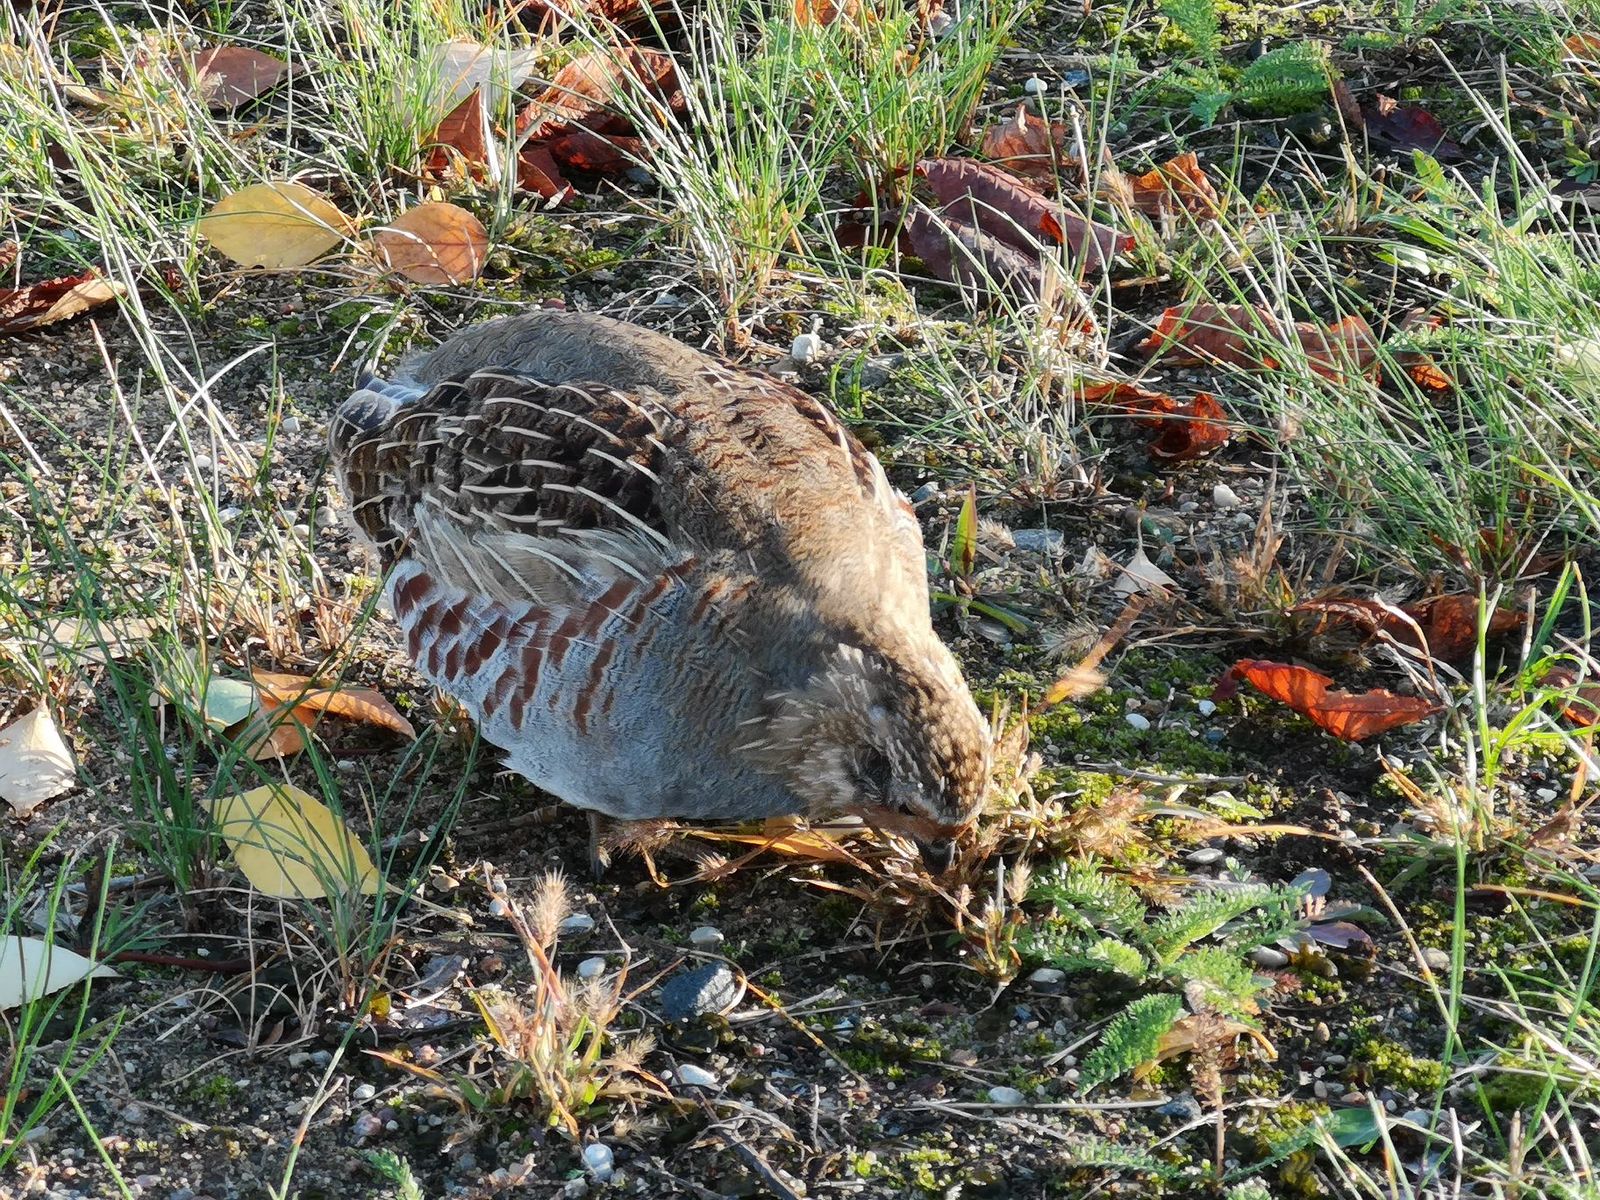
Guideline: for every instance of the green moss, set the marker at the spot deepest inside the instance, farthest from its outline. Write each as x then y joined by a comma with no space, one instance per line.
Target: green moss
1389,1062
217,1090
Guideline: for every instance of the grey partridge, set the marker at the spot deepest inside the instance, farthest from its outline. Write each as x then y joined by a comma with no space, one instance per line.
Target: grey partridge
661,585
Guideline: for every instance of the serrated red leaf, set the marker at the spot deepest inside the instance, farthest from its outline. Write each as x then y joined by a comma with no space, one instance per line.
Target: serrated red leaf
586,90
1185,429
1246,336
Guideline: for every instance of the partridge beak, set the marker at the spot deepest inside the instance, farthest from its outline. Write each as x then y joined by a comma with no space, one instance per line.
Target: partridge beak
938,854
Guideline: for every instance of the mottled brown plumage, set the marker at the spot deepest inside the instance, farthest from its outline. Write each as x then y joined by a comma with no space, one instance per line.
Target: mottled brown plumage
665,587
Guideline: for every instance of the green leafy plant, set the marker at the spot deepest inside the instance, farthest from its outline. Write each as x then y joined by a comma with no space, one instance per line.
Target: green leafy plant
1284,76
1098,923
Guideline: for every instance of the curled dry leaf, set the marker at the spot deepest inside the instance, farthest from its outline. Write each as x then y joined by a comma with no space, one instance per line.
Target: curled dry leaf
274,225
960,253
35,763
1180,183
1583,709
1445,627
463,135
987,198
31,969
586,91
288,843
1185,429
1142,575
538,171
228,76
1250,337
825,12
39,304
434,243
1027,144
1353,716
351,703
1397,126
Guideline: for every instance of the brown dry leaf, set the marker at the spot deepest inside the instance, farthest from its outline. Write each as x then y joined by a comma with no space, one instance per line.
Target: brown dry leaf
960,253
1446,626
1242,335
435,243
1026,144
274,225
1199,1030
584,91
1085,679
1584,46
1353,716
463,131
825,12
1583,709
601,153
39,304
538,172
1178,183
1184,429
1001,205
231,75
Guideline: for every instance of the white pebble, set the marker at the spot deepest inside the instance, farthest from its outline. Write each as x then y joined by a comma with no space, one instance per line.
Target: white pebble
1268,958
1006,1095
1206,707
576,925
598,1158
290,423
364,1091
1223,496
805,348
1138,720
940,24
1035,86
707,937
691,1075
498,907
1205,856
592,968
1047,977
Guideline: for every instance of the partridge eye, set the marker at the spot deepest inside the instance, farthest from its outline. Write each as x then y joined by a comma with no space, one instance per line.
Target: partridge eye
873,774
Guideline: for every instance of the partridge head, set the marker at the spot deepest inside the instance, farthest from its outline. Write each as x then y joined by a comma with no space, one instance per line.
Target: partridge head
662,586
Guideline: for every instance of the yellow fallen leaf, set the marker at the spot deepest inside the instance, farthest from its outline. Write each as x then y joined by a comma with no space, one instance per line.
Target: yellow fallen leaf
274,225
288,843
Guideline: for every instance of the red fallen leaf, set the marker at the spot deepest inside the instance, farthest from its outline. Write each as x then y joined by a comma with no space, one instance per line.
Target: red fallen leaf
1242,335
962,254
1184,429
231,75
1003,206
1179,182
1583,46
549,16
1583,710
36,305
537,172
584,90
1353,716
604,154
1027,144
825,12
1445,626
1418,364
465,130
1398,126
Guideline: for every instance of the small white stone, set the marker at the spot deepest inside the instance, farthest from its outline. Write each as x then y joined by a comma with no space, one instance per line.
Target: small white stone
592,968
1545,794
326,518
598,1158
364,1091
667,300
1138,720
498,907
1437,959
940,24
576,925
1207,707
1048,977
1006,1095
706,937
1268,958
1204,856
289,424
805,348
1035,86
691,1075
1223,496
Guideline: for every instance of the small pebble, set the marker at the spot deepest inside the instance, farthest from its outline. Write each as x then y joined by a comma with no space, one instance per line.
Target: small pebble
1138,720
667,300
1047,977
711,988
289,423
692,1075
364,1091
598,1158
1545,794
1035,86
1223,496
1206,707
926,492
1006,1095
367,1126
592,968
132,1114
1437,959
1039,541
706,937
1269,958
1182,1107
940,24
576,925
1204,856
498,907
805,348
